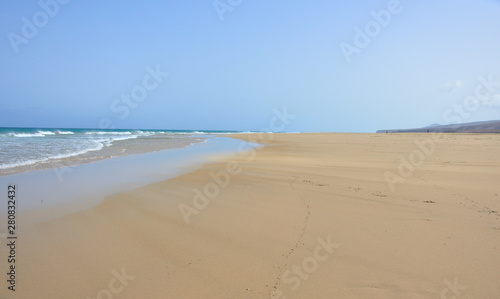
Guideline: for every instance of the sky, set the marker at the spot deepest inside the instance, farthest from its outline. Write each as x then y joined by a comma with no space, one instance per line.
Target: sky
331,66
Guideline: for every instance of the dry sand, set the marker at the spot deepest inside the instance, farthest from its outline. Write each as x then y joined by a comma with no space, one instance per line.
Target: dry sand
311,216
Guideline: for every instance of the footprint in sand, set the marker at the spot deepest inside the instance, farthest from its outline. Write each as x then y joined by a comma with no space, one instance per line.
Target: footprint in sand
311,182
379,194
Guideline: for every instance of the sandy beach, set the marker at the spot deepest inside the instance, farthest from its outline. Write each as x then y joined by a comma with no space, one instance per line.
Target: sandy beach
307,216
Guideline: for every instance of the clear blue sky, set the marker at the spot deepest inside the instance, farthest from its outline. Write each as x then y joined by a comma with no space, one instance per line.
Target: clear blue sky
230,74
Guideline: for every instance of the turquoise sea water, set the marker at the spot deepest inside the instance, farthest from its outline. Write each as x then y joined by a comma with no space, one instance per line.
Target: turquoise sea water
23,149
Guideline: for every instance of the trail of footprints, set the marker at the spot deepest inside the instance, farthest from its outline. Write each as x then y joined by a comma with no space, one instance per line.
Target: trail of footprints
299,242
466,200
302,193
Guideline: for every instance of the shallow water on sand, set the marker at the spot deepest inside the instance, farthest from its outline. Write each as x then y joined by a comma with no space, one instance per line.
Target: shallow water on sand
79,187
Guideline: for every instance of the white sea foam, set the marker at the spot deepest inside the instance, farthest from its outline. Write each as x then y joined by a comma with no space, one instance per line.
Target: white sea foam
96,147
47,132
109,142
28,149
89,147
145,133
188,133
64,132
107,133
25,135
22,163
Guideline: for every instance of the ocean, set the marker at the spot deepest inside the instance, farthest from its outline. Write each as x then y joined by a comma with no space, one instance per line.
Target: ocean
25,149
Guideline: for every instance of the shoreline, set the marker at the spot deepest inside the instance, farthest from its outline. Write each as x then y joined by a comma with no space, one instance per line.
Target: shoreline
319,202
118,148
54,192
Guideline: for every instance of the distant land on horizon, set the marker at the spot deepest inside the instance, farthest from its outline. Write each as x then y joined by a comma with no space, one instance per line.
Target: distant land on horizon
492,126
